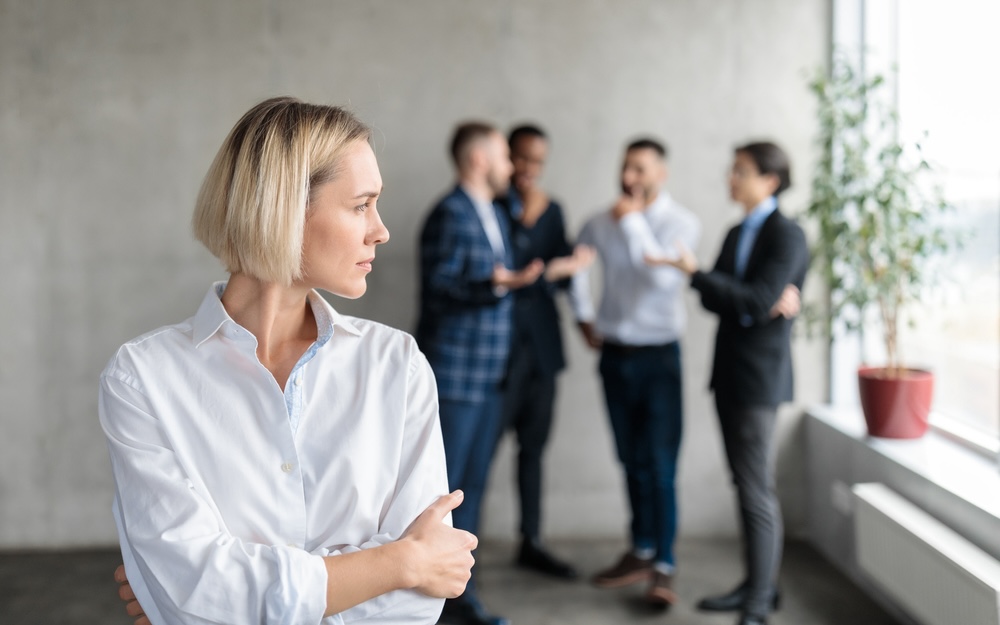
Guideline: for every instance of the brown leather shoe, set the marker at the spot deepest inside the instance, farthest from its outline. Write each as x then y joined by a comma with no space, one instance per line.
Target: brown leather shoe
661,591
629,570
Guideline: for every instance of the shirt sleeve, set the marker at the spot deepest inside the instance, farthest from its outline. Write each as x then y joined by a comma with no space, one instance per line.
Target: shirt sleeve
562,247
580,298
422,479
643,240
183,564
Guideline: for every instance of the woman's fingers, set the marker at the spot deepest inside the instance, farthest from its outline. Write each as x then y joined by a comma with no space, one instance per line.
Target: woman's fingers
125,593
445,504
132,608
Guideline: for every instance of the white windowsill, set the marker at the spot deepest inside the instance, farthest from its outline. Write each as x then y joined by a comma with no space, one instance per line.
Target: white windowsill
965,435
948,464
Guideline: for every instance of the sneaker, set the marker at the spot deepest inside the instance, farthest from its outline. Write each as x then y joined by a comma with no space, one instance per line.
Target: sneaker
661,591
629,570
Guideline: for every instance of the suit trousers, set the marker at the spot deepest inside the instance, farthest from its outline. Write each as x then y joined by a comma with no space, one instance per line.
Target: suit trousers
747,432
642,389
470,430
529,395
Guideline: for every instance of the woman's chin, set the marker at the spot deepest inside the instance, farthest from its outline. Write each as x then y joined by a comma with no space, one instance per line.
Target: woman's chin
353,291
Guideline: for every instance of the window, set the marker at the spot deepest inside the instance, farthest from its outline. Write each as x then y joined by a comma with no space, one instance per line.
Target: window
945,57
947,70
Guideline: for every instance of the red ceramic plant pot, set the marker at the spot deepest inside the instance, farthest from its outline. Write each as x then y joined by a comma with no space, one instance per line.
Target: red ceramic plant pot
897,404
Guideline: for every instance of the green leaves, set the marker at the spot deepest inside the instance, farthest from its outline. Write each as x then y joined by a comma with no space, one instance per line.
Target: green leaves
877,214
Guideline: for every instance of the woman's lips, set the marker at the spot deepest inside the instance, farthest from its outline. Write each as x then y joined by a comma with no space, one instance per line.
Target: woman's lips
366,264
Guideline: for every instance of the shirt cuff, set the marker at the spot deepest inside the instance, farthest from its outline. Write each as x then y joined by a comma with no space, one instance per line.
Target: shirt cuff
307,579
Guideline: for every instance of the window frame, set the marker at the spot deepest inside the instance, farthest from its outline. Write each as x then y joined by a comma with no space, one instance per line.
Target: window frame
855,25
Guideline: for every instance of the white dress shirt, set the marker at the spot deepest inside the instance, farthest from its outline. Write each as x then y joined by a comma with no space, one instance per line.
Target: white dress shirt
640,304
487,212
228,490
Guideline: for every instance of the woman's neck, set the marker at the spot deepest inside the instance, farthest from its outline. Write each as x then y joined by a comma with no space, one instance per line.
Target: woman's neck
279,317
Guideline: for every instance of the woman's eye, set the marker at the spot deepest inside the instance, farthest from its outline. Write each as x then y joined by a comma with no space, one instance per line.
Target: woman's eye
361,208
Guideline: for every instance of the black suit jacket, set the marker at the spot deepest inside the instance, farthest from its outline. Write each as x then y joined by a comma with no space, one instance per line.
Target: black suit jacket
536,318
753,361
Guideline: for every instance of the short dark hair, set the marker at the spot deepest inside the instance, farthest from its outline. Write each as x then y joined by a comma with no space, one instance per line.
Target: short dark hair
769,159
465,135
525,130
647,143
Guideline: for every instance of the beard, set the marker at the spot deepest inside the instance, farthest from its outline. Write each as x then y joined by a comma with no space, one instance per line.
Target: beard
498,184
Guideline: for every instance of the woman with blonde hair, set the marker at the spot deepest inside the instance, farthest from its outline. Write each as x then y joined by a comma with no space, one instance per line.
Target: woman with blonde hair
274,460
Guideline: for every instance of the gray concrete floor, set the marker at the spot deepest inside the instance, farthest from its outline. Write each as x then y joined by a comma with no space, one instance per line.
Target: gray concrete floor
76,588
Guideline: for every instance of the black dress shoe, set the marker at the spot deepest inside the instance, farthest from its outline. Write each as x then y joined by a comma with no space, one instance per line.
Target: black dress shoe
468,612
533,556
734,601
751,619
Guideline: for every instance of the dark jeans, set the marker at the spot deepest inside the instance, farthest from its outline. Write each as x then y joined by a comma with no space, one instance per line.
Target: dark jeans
470,431
529,396
747,433
642,388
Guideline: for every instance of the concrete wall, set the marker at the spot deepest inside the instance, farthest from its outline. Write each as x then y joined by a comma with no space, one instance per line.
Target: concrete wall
110,113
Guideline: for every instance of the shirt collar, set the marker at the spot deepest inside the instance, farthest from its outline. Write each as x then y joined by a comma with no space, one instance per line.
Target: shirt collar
760,213
212,316
481,205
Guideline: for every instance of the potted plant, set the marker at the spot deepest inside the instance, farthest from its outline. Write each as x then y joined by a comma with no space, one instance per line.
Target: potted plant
878,231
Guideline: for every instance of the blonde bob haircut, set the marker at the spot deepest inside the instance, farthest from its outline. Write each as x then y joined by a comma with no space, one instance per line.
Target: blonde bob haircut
251,209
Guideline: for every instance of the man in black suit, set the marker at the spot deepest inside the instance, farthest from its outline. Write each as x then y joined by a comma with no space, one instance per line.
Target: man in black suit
754,289
537,232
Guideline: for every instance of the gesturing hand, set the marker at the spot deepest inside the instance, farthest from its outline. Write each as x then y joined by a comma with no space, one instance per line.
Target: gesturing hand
503,277
685,259
565,266
132,607
444,559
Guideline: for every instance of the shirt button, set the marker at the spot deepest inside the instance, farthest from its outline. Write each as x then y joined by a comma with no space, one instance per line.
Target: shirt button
287,467
298,380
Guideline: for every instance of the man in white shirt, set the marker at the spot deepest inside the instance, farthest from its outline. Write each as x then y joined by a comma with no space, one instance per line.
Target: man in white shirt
637,328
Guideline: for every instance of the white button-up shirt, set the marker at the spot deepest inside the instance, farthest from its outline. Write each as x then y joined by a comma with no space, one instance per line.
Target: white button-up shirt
640,304
487,212
228,490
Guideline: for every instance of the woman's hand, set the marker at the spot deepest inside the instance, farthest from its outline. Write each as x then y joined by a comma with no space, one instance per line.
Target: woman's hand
563,267
132,607
438,559
511,280
442,555
685,260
